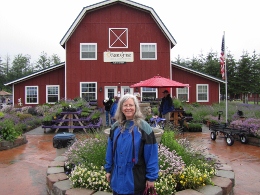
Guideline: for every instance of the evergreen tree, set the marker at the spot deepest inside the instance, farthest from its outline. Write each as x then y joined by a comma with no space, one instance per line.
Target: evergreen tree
211,65
43,62
255,87
20,67
231,68
244,76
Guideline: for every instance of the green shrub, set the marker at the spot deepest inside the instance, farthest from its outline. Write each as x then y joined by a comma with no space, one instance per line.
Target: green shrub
2,114
48,117
155,111
21,127
194,127
24,116
87,152
8,131
32,111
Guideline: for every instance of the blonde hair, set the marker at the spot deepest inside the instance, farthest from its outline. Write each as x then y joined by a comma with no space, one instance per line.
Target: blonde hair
120,117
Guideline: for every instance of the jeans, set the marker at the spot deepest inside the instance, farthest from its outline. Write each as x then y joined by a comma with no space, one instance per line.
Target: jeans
107,117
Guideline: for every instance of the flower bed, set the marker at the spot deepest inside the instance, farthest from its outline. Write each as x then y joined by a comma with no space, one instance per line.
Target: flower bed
179,169
5,145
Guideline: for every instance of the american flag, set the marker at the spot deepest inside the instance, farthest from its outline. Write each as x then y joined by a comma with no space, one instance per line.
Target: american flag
222,59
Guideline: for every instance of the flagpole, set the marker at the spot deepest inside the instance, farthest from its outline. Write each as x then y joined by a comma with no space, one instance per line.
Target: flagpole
226,78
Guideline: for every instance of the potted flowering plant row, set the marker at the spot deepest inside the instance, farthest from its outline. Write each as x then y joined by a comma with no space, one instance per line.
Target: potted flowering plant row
48,120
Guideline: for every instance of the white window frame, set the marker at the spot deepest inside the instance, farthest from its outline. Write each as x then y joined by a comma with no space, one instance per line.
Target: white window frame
146,90
123,88
198,93
47,95
110,87
37,95
112,31
148,44
179,92
81,92
88,44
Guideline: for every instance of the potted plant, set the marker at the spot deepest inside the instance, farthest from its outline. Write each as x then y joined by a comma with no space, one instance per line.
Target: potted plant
84,114
79,103
65,105
177,104
58,114
95,117
47,120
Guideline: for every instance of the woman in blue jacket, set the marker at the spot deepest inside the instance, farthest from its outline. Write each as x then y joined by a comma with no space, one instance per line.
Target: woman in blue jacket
132,151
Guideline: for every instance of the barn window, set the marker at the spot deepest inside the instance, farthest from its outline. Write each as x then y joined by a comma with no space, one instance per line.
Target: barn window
202,93
88,51
31,94
148,94
53,94
148,51
126,89
118,38
183,94
88,91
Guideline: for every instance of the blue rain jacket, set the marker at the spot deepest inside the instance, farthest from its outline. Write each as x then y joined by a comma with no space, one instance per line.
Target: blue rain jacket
166,105
113,108
130,166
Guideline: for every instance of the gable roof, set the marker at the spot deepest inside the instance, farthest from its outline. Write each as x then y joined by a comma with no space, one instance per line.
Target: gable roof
110,2
35,74
197,73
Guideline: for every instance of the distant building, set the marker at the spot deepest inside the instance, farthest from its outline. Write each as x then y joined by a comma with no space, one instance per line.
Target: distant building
110,46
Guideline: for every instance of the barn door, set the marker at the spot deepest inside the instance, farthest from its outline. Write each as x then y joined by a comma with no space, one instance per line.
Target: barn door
110,91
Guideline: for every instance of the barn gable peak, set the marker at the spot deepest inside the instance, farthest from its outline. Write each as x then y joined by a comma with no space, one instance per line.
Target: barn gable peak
111,2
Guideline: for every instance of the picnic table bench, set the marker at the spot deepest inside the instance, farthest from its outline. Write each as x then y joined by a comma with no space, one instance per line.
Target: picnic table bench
71,121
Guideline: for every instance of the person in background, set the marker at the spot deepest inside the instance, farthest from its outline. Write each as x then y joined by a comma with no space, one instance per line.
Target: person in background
8,101
132,151
166,106
138,96
3,99
113,109
107,103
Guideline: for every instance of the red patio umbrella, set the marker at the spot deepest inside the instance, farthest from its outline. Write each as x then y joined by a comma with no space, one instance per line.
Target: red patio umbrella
159,82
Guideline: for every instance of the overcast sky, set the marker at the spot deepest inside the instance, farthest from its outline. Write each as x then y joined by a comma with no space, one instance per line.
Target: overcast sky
33,26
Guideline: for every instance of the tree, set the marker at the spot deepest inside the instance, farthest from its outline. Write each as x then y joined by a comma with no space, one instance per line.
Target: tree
211,65
55,59
244,76
231,68
45,62
195,64
4,70
255,61
2,75
20,67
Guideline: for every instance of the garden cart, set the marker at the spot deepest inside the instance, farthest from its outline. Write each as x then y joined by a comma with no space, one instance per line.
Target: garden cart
230,133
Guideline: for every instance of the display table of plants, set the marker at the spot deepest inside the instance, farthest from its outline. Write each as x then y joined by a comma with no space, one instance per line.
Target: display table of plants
73,118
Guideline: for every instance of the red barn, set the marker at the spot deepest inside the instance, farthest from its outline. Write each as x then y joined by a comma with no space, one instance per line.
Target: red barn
110,46
203,88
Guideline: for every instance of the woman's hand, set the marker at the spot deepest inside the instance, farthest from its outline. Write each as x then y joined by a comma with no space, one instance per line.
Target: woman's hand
150,184
108,176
